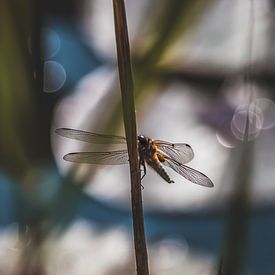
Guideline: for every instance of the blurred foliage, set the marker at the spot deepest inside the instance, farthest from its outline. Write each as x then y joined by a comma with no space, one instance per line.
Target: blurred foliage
25,119
26,110
16,85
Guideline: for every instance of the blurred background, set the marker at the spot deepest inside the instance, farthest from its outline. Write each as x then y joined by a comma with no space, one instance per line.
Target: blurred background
197,65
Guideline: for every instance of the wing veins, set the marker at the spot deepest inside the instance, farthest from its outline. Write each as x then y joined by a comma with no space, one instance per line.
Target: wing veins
106,158
181,152
89,136
189,173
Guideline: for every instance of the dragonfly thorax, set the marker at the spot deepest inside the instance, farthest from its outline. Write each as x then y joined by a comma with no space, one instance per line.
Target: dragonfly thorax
145,145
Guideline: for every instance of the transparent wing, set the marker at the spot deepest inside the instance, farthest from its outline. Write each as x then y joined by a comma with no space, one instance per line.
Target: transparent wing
189,173
181,152
90,137
107,158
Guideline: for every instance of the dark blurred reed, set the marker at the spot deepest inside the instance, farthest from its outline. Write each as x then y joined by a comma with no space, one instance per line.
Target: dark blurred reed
128,106
233,256
26,116
235,246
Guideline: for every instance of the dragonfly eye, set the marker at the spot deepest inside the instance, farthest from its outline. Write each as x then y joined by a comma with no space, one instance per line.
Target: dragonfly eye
142,139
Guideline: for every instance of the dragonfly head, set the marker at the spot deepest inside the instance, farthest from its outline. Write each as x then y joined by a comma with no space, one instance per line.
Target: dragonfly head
142,140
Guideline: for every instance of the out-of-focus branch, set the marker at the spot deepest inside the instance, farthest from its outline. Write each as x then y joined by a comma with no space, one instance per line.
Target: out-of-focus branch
235,246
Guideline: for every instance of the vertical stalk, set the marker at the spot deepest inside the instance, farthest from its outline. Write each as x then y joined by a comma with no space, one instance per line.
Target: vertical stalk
233,261
128,106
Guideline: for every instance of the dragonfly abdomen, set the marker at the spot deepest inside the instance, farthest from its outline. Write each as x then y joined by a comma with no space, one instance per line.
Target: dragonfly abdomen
157,166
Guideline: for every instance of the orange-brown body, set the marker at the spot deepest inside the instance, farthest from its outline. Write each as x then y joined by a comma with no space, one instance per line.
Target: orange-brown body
150,155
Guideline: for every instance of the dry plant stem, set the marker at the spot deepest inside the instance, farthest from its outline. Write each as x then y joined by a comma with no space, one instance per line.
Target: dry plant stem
127,94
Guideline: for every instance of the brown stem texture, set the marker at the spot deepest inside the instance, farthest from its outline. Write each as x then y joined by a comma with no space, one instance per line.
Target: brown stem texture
129,116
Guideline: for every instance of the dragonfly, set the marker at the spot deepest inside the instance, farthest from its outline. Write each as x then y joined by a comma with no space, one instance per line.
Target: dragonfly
157,154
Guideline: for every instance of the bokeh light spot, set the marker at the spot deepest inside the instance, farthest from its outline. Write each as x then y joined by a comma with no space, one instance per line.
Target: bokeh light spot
267,107
54,76
225,141
238,122
51,43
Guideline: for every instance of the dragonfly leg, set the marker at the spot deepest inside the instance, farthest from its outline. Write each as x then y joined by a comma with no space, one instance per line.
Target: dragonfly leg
142,164
144,170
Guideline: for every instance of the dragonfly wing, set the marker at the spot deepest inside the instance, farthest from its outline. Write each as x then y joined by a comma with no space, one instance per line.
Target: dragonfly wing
189,173
181,152
106,158
90,137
